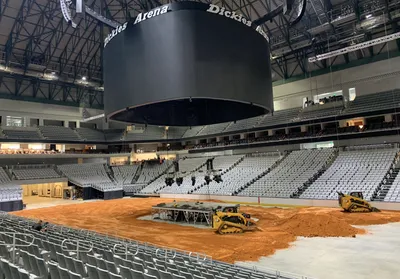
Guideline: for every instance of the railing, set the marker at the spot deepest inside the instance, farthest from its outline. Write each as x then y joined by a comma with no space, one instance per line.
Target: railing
159,251
14,242
79,247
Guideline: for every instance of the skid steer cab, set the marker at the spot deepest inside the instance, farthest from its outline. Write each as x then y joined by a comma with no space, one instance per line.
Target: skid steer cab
354,202
232,222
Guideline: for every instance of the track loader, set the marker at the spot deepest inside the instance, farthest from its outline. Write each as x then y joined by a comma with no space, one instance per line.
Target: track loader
228,222
354,202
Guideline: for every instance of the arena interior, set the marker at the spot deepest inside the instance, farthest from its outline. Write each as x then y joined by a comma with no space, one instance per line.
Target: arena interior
199,140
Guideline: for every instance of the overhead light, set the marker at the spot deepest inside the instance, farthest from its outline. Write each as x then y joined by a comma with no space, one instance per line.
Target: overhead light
355,47
53,73
368,16
83,78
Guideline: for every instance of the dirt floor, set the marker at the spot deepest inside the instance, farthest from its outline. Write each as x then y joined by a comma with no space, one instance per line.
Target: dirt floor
280,227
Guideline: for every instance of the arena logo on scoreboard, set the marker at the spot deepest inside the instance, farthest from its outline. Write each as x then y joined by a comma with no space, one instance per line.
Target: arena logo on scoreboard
153,13
214,9
115,32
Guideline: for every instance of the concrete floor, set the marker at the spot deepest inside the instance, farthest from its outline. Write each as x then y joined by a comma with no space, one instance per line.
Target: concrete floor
375,255
34,202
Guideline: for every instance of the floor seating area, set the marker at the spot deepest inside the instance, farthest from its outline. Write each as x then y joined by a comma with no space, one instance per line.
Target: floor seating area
291,173
101,257
353,170
244,172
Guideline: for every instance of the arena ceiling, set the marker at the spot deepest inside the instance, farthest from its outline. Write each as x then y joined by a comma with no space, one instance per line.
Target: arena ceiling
42,56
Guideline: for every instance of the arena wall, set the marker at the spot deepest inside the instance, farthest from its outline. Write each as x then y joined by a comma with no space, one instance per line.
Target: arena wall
275,201
367,79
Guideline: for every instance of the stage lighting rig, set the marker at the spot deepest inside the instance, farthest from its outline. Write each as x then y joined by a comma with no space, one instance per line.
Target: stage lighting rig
193,180
179,181
169,179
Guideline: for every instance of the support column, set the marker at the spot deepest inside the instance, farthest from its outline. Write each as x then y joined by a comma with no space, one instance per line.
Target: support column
388,117
66,124
41,122
303,128
271,132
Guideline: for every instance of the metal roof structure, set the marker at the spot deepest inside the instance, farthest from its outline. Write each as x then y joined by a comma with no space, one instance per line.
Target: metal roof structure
44,58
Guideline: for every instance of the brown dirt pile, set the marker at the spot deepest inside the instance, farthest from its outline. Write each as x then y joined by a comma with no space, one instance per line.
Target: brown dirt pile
280,227
311,225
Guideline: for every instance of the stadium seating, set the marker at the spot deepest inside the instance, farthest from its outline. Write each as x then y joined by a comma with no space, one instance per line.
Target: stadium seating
393,195
90,175
90,134
286,178
223,163
280,117
249,123
52,256
186,167
244,172
25,173
316,114
213,129
113,134
353,170
59,133
151,171
10,192
192,131
22,133
124,174
374,102
4,178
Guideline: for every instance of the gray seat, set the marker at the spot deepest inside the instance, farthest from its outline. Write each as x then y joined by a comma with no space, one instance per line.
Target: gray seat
152,271
61,260
69,263
114,276
92,271
110,266
176,276
138,267
53,269
79,267
164,275
73,275
64,274
103,274
137,274
125,272
148,276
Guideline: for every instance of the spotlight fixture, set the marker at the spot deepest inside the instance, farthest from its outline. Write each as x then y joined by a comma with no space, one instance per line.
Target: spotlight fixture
84,78
207,179
217,178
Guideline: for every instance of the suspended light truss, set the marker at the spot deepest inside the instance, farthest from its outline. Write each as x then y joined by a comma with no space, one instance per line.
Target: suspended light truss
352,48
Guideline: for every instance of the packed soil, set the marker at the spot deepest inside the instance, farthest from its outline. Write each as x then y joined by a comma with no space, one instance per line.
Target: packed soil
279,227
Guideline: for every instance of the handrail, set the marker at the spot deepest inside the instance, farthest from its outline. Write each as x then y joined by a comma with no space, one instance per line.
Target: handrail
77,250
14,244
166,253
127,251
